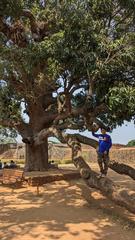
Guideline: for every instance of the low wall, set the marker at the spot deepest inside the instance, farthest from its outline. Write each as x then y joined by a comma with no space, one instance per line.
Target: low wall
12,151
63,152
117,153
124,155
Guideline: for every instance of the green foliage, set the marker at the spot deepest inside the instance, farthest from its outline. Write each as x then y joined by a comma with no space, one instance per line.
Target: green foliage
131,143
13,8
10,7
6,140
121,102
7,135
9,104
92,42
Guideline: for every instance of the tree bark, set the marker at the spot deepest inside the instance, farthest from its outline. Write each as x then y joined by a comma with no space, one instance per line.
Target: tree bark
37,157
122,168
52,131
121,196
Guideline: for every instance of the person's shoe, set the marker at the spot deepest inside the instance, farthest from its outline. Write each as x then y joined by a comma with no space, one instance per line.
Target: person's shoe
103,175
100,175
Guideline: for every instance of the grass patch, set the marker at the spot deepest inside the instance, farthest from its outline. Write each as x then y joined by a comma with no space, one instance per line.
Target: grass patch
63,161
18,161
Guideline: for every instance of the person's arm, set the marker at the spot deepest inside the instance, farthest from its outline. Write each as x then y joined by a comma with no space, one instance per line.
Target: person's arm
95,135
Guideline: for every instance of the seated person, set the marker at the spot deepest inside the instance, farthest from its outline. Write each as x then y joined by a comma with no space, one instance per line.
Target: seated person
0,164
12,164
5,165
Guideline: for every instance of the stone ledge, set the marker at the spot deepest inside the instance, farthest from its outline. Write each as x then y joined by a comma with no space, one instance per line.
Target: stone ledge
48,178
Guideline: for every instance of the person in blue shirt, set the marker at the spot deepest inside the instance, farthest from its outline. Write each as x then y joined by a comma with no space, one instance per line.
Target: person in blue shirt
104,146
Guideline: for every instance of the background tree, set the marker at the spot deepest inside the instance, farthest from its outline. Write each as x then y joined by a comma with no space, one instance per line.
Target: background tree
65,64
131,143
7,136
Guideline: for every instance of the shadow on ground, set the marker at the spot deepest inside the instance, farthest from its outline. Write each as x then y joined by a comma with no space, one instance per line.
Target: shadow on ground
61,212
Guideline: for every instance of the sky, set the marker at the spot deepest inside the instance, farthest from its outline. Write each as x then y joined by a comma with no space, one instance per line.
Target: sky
121,135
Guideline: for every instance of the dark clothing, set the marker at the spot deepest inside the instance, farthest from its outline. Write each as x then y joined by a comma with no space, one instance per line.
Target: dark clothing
0,165
6,166
12,165
103,162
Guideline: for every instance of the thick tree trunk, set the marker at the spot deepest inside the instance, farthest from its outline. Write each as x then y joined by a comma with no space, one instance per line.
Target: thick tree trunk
37,157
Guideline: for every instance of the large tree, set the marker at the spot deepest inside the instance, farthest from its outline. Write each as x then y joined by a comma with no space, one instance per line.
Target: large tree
67,64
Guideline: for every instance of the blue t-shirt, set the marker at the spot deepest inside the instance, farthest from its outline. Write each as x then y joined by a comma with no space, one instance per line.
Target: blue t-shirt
104,145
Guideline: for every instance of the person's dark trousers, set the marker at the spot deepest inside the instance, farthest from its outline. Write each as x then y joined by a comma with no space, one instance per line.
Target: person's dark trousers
106,162
103,162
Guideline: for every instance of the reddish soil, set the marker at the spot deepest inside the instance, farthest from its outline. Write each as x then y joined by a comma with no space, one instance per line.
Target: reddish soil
62,212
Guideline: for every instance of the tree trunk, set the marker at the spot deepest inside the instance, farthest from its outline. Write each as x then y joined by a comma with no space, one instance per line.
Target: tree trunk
37,157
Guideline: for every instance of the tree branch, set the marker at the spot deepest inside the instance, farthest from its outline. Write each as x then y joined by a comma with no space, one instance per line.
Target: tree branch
115,166
7,123
71,125
20,126
122,169
85,140
120,196
15,32
39,29
34,26
55,131
24,129
65,115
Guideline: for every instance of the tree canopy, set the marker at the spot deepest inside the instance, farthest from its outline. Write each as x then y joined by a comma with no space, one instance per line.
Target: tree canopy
7,136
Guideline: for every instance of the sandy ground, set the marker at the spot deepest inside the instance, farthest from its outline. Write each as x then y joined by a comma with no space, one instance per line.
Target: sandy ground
62,212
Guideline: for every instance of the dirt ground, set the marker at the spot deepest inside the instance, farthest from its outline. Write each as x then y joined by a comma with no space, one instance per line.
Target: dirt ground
62,212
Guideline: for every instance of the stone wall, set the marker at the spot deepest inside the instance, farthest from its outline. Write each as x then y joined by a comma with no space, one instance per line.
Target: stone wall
117,153
12,151
122,155
63,152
